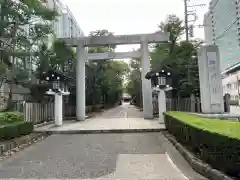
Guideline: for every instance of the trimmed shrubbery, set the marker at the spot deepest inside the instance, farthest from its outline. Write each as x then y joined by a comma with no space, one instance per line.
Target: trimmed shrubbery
12,125
216,141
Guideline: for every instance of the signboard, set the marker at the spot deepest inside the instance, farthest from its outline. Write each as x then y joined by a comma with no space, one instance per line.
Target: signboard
213,79
212,60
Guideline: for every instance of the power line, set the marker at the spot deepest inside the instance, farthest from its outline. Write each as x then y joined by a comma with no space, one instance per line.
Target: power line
226,30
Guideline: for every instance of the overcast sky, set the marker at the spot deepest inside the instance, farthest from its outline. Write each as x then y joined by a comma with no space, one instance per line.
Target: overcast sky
129,16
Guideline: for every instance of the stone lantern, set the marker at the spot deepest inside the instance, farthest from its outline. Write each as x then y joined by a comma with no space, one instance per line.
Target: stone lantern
59,89
161,82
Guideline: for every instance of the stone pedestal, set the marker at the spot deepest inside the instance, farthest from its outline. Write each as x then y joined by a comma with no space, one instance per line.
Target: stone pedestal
210,79
161,105
58,99
58,109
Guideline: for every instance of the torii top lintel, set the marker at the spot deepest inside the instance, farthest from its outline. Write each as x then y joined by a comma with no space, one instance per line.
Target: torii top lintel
158,37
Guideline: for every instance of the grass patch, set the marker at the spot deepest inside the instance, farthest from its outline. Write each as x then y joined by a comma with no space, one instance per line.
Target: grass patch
224,127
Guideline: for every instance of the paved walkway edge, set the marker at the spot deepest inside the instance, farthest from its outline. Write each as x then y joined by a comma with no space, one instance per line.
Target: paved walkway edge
101,131
51,122
198,165
8,148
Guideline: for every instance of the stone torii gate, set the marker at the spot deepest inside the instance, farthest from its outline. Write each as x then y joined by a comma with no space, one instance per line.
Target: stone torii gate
92,41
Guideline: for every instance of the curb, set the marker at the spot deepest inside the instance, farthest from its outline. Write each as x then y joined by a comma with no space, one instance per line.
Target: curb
197,164
104,131
51,122
8,148
43,124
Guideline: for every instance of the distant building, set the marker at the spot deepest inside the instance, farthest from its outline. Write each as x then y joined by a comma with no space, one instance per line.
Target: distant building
208,28
231,82
65,25
171,18
222,27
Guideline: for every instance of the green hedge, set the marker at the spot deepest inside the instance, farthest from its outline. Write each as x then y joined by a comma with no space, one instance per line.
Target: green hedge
216,141
12,125
14,130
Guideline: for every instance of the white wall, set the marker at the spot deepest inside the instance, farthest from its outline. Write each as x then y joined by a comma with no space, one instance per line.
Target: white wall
231,85
65,25
208,31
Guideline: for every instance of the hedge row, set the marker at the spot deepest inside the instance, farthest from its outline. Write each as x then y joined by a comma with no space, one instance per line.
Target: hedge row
14,130
216,141
12,125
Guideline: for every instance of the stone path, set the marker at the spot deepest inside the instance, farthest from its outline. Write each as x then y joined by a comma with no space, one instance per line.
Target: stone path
125,118
103,157
115,156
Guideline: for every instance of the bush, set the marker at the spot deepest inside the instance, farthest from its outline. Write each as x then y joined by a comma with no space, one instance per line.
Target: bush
13,116
216,141
14,130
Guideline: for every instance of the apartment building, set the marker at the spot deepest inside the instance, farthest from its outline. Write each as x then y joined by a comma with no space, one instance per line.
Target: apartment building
171,18
222,27
65,25
231,82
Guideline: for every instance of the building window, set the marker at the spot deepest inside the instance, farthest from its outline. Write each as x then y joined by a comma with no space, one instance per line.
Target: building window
229,86
236,98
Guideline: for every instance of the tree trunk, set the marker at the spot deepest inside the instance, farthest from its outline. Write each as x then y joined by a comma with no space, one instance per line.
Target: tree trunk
9,102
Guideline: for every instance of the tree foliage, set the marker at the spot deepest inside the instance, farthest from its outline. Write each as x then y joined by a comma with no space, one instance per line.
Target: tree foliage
134,85
180,56
104,79
23,26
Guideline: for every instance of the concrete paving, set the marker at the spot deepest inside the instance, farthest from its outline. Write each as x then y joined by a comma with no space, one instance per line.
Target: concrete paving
125,118
121,156
104,156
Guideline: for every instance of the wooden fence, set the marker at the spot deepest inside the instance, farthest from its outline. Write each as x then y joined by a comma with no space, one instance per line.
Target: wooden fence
185,104
43,112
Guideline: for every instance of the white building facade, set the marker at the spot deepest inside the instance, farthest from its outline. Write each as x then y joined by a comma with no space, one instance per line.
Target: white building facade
208,28
65,25
231,82
222,27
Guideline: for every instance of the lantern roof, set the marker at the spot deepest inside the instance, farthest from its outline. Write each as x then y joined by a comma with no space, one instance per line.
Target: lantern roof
53,75
162,71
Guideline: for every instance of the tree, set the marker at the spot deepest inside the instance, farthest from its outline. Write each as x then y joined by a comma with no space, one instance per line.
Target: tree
134,85
65,57
104,79
180,56
23,26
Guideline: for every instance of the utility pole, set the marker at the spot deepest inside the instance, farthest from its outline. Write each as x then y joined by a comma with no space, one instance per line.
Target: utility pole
186,18
190,13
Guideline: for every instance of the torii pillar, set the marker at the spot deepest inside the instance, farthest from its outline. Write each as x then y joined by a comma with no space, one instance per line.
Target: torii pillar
146,85
80,82
82,56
